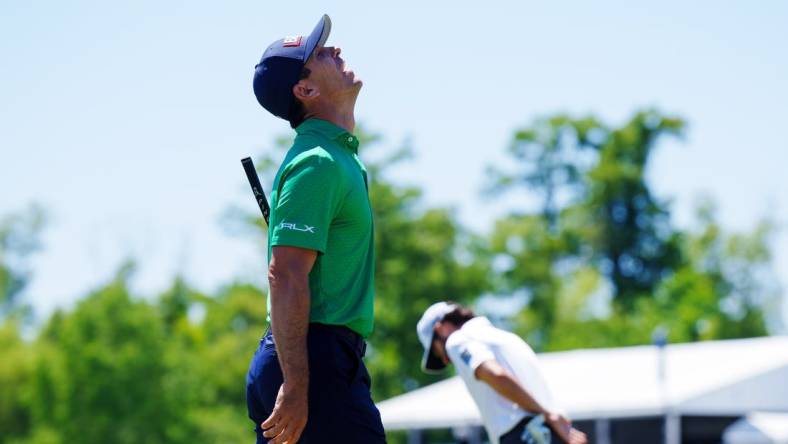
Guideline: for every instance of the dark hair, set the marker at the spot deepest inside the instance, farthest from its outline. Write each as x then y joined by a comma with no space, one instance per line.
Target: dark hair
298,111
460,315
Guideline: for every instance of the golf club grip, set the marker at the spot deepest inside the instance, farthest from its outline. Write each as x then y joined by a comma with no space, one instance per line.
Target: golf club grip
257,189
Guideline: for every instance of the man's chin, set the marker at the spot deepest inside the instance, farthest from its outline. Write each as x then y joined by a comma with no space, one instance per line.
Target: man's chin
355,86
351,90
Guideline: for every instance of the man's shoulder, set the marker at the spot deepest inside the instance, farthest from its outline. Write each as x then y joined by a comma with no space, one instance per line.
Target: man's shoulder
460,338
478,329
456,339
456,345
309,155
468,350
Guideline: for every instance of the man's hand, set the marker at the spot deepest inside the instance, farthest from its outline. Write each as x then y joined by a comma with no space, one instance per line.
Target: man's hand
288,419
506,385
562,426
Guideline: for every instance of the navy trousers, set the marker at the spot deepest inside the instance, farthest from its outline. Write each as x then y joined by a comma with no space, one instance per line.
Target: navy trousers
340,404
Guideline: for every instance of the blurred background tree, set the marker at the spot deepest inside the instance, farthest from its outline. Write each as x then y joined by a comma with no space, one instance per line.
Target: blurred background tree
601,255
110,358
19,238
598,262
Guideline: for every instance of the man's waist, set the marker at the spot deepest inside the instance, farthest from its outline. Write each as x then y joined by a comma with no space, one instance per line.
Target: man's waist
341,332
357,319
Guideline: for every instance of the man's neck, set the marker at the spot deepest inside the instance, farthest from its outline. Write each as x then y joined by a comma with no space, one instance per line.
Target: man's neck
344,121
338,113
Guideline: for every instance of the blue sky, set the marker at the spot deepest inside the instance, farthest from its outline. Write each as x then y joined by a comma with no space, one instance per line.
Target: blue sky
127,121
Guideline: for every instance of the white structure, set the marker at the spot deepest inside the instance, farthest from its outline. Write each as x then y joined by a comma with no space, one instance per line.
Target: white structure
758,428
713,378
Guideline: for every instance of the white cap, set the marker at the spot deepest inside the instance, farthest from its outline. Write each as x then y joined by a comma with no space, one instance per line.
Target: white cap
434,314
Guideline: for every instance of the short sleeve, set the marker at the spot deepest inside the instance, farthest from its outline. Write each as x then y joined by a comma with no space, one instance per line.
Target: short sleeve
468,355
307,201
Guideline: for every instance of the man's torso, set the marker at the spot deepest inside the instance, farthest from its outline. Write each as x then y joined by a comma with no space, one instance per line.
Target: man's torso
320,202
478,341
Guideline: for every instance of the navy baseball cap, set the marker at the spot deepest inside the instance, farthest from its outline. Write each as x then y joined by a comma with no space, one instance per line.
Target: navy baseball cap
280,68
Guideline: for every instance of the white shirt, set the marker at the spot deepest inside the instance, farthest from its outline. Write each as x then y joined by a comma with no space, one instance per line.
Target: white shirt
478,341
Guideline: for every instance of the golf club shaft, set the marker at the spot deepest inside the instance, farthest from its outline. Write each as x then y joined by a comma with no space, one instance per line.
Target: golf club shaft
257,189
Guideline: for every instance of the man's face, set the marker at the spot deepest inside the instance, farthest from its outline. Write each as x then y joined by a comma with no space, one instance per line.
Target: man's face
329,75
441,333
439,349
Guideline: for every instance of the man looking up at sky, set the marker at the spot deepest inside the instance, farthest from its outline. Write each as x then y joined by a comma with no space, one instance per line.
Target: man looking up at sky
307,382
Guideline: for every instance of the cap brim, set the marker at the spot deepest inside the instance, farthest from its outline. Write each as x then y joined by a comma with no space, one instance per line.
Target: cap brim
318,36
431,363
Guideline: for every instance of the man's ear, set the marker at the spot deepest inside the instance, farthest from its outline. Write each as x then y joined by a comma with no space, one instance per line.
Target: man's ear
304,91
439,328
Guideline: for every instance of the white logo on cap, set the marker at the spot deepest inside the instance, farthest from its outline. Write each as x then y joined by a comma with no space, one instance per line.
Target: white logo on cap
293,40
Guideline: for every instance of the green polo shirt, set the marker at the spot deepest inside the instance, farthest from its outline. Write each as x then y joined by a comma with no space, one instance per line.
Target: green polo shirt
320,202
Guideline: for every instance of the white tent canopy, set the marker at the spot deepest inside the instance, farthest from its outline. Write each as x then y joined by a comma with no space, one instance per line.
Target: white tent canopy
758,428
730,377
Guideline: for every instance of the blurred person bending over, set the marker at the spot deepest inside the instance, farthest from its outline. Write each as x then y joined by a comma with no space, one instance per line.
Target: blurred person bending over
501,373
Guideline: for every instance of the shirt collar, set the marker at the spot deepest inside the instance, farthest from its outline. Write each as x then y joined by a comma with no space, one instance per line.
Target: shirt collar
329,130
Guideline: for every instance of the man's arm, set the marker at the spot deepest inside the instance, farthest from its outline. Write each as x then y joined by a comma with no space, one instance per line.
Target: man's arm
503,382
288,277
506,385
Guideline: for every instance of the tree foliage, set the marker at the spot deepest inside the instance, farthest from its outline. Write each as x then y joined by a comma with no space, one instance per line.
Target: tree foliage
598,263
601,263
19,238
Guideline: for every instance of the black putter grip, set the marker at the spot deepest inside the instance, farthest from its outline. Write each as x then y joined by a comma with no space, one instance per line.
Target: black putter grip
257,189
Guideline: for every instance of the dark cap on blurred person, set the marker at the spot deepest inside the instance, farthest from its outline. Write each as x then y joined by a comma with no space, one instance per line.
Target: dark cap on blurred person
281,66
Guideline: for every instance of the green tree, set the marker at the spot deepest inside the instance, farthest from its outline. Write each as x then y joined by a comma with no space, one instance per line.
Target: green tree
726,287
601,257
533,252
524,266
233,323
597,207
423,256
723,289
634,242
550,157
121,369
16,368
19,238
105,374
